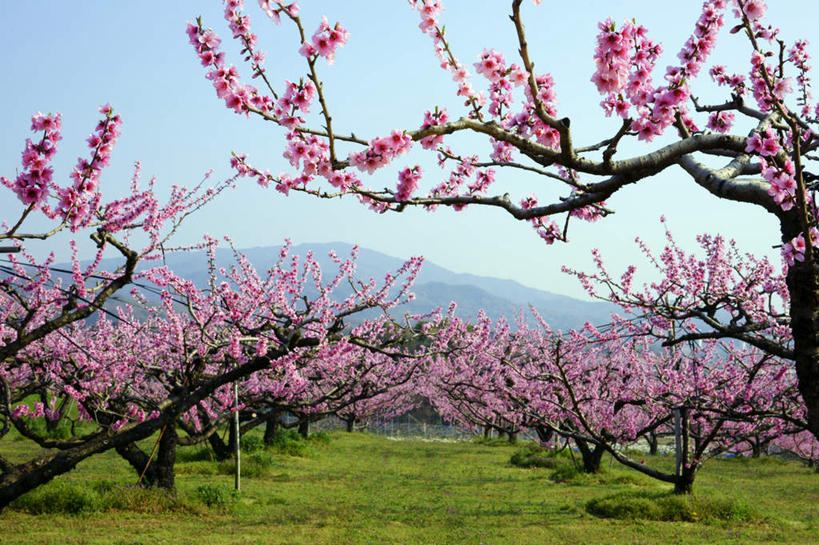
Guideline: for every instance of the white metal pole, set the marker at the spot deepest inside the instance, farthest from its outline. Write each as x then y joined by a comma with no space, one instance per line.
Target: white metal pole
236,436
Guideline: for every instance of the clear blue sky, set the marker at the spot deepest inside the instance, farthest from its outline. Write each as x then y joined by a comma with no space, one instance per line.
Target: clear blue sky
73,56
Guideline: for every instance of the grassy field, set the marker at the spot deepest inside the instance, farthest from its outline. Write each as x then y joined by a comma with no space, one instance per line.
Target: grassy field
358,488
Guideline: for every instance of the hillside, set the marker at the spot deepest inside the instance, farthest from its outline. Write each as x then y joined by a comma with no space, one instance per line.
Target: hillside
435,286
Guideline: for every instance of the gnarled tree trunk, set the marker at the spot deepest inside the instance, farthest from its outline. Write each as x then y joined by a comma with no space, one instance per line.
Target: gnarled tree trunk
591,456
653,443
271,425
804,312
157,470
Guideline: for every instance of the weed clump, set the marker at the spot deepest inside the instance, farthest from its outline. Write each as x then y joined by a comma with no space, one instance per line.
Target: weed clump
534,456
196,454
63,498
320,438
668,507
216,495
494,441
258,464
570,473
290,443
251,443
69,498
139,499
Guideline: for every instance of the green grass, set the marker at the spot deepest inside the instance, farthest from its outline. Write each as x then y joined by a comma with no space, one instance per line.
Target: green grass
358,488
669,507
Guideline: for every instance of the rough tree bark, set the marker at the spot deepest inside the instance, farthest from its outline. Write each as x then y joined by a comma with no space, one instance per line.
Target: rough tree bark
157,470
304,427
591,456
271,426
17,479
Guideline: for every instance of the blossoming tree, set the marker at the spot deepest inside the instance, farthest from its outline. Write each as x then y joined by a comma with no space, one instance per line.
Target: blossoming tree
764,167
40,309
129,378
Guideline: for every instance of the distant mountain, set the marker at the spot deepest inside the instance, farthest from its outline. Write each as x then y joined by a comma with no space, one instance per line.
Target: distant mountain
435,286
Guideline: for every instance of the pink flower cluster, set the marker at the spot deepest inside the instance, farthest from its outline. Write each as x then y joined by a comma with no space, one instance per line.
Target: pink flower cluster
462,172
78,202
308,153
295,99
526,123
735,81
492,66
32,185
612,56
381,151
621,72
752,9
306,149
433,119
325,41
237,96
483,179
123,212
501,151
795,249
429,11
783,183
700,44
671,99
799,57
544,226
765,143
239,24
291,10
407,182
588,213
342,179
721,121
624,61
39,410
766,87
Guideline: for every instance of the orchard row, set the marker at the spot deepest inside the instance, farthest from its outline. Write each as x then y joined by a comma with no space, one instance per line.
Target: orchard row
721,349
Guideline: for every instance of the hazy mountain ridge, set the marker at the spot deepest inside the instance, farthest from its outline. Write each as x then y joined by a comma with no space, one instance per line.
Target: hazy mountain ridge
434,287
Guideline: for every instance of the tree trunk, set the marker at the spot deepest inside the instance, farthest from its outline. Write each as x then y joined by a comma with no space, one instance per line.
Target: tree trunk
591,457
270,427
17,479
544,434
139,461
166,459
804,292
756,446
685,471
684,482
653,443
21,478
350,424
159,470
221,450
304,427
